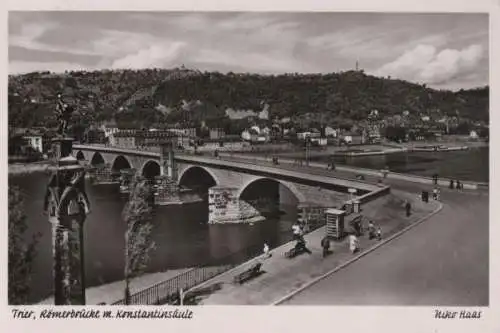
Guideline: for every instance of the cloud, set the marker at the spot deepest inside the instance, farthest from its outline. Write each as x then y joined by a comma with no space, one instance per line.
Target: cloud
431,48
425,64
22,67
275,62
154,56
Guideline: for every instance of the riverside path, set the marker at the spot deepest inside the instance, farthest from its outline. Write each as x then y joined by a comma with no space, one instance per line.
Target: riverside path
442,262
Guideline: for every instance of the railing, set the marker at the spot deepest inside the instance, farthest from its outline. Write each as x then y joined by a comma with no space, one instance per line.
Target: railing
167,292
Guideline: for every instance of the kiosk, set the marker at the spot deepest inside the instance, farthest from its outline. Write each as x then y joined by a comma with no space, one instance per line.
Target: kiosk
335,223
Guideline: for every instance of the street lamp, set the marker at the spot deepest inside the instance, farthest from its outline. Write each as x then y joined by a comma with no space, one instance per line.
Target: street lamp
308,146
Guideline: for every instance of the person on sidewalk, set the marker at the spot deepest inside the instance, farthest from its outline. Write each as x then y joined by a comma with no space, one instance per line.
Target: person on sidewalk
267,253
353,244
408,208
296,231
379,233
452,184
325,244
435,178
301,246
435,193
371,230
459,185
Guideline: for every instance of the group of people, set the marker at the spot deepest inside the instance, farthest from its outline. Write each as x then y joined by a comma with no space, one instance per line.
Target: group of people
373,232
456,184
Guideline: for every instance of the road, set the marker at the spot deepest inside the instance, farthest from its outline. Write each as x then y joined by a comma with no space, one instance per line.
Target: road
442,262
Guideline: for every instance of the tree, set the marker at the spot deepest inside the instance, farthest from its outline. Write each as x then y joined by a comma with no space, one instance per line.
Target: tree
137,213
395,133
22,253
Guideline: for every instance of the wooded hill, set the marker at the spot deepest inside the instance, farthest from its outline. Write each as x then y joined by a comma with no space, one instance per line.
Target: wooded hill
161,97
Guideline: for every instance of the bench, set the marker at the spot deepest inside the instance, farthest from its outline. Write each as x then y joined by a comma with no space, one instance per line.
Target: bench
248,274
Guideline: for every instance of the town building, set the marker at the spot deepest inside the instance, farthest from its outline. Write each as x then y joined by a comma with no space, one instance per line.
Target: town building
123,139
35,141
352,138
146,138
109,128
216,134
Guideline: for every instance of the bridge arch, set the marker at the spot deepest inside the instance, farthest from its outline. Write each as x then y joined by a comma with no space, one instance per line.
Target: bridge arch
120,162
80,156
251,186
197,177
150,169
97,159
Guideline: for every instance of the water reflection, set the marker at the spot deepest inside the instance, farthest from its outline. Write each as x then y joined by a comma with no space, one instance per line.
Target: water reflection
183,237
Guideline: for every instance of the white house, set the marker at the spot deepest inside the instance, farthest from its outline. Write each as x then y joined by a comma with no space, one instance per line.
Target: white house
245,135
109,130
35,141
330,132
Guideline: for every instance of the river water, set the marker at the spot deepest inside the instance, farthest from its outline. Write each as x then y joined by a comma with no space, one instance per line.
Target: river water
472,164
183,236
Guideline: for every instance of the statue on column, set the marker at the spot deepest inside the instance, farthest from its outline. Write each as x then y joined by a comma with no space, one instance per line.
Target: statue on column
67,205
63,112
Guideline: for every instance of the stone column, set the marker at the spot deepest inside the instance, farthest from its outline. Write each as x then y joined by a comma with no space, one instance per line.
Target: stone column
167,161
168,166
67,205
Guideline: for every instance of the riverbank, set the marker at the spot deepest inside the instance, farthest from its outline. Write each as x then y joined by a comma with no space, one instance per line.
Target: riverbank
282,276
348,171
27,168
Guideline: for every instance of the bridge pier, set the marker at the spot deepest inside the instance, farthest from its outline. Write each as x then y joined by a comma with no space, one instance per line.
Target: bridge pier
224,206
167,190
126,179
103,174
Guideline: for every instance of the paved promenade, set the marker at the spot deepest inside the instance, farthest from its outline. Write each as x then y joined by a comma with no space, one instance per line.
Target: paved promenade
443,261
112,292
284,275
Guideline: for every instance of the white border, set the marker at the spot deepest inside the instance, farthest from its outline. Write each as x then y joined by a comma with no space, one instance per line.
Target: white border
273,319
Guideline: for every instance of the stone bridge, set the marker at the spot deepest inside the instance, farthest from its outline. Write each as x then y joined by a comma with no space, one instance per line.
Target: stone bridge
231,185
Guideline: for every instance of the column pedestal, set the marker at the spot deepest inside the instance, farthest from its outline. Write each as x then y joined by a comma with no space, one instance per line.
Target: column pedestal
67,206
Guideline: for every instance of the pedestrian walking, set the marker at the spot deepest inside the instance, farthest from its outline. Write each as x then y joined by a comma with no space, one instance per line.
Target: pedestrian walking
408,208
458,187
371,230
296,231
435,178
452,184
325,244
353,244
435,193
379,233
267,253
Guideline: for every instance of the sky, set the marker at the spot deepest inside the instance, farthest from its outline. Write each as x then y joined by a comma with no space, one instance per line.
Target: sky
444,51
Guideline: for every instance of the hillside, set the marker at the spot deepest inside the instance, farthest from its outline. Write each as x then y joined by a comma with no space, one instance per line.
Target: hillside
155,97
